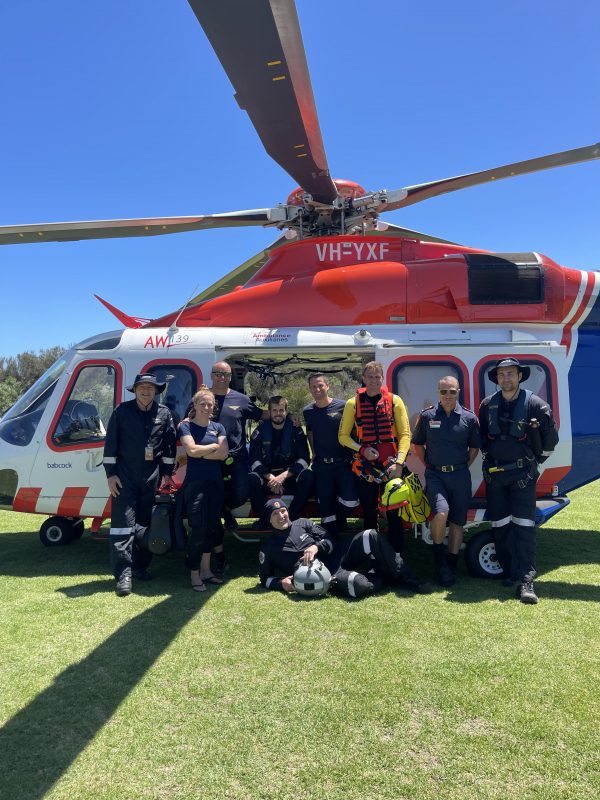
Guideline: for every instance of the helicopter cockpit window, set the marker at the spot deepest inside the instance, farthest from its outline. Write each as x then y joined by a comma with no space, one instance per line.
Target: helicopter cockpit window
181,385
513,278
539,381
86,411
20,422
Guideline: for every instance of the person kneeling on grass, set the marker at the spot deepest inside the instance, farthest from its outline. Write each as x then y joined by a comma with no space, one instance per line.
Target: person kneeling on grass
368,564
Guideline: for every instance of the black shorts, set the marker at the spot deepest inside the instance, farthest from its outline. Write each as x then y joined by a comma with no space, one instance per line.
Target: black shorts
449,493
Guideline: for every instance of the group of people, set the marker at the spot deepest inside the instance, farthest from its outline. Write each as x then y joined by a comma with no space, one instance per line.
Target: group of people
357,446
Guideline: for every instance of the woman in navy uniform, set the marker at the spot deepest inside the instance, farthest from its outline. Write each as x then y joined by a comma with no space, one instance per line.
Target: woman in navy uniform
205,444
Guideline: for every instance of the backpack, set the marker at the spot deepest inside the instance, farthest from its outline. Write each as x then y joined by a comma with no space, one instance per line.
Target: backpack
417,509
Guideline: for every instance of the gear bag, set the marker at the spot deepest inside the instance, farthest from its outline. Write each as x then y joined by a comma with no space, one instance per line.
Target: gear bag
417,509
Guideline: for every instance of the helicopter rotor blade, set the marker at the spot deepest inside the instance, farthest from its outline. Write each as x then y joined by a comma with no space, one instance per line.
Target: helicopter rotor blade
153,226
259,44
238,276
423,191
408,233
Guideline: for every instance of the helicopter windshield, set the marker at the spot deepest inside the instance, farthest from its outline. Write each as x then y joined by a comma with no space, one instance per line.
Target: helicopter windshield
19,423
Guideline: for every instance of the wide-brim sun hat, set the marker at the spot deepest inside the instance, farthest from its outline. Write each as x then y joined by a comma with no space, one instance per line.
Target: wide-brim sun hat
509,362
147,378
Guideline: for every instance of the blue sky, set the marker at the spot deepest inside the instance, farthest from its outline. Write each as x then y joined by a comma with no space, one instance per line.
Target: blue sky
121,109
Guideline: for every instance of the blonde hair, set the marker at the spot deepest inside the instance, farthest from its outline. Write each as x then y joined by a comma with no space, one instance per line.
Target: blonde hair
202,392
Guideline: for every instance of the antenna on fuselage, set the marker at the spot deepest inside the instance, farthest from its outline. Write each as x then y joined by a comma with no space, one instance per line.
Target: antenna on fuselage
173,327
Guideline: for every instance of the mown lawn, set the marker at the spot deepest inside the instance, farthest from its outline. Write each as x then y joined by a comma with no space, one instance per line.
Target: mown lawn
239,693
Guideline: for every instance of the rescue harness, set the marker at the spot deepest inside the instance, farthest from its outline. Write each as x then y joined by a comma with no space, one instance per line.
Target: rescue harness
375,428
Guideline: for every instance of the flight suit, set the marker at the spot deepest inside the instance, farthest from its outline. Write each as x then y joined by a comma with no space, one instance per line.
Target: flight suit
132,434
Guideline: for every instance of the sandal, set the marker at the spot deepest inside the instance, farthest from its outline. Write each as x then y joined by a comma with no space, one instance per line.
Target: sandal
213,580
197,582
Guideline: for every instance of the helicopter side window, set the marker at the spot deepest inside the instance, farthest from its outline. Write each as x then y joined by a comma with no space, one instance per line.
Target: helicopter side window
539,381
417,382
181,385
86,411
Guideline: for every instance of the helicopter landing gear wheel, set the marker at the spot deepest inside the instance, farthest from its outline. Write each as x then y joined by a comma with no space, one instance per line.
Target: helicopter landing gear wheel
481,558
56,532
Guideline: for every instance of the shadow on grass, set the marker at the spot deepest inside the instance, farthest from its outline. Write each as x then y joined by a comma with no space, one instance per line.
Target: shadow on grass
41,741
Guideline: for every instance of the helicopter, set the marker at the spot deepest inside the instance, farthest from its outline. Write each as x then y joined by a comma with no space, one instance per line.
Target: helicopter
339,285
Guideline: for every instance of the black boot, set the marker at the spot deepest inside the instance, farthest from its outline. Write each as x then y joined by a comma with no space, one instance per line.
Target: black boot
123,587
443,573
526,592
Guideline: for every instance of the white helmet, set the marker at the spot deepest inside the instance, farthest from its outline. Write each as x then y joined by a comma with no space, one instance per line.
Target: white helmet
312,580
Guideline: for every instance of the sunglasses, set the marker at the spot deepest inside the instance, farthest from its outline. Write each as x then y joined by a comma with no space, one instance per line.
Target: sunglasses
218,373
448,391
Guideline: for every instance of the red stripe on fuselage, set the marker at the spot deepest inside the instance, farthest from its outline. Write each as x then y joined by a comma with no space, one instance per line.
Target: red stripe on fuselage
26,499
71,501
568,329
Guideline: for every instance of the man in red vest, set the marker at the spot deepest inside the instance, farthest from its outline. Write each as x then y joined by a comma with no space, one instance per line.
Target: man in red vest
375,425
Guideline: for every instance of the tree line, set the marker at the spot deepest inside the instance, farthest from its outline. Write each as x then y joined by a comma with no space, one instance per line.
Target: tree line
18,373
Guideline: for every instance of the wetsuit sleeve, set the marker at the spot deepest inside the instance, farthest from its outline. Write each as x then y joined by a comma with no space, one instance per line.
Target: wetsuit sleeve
548,433
402,427
301,453
321,538
168,461
111,445
483,425
347,426
255,453
266,569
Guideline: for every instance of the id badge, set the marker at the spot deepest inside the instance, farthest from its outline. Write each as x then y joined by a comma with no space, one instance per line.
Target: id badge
149,453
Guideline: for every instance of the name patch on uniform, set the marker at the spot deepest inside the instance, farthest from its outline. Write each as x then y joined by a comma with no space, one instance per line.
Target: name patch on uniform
435,423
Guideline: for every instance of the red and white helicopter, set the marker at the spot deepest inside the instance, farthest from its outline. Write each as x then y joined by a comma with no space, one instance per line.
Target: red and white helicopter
340,286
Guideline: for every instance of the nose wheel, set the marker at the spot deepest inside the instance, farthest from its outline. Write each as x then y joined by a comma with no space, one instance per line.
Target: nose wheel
60,531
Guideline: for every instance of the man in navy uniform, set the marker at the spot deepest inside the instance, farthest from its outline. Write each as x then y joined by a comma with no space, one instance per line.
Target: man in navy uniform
446,438
233,409
138,452
518,432
279,461
334,480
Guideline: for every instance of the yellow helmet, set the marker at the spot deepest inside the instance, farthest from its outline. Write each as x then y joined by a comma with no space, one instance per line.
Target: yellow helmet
395,494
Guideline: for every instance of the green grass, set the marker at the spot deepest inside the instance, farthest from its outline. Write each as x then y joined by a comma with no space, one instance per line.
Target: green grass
239,693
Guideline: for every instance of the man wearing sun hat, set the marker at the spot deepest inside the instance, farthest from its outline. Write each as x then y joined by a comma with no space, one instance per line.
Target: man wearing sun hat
518,433
138,452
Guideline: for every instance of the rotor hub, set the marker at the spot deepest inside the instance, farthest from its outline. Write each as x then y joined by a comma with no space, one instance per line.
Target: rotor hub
347,190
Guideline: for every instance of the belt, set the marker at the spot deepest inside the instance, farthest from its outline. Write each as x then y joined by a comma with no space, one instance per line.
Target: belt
447,467
518,464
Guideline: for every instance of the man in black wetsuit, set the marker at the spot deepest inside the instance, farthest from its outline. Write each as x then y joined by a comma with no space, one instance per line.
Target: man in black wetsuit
368,563
517,433
279,461
138,452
